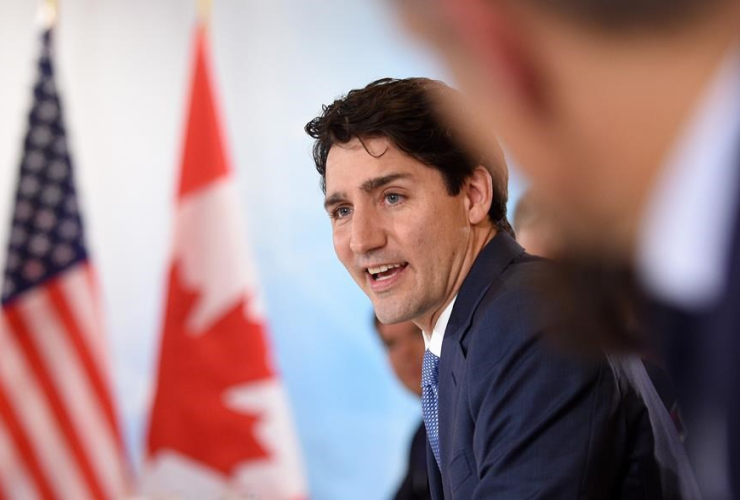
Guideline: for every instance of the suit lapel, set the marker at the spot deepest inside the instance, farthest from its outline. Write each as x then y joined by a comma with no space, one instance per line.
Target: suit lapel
488,266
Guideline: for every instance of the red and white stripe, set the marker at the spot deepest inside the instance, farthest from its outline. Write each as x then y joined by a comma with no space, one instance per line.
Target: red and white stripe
59,436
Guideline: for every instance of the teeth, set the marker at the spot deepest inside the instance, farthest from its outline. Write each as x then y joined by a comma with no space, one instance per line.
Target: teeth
382,268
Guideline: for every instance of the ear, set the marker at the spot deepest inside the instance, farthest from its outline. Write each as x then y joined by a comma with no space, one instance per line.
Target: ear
478,195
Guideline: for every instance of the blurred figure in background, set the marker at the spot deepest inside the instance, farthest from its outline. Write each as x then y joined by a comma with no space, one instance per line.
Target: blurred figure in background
626,117
535,230
404,345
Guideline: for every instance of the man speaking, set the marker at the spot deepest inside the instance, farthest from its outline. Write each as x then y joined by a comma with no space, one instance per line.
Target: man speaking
420,223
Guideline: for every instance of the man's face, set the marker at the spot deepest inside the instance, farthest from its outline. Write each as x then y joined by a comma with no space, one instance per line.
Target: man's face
405,346
398,232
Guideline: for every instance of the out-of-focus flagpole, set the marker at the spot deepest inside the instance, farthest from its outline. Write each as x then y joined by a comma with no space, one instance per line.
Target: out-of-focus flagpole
48,13
204,12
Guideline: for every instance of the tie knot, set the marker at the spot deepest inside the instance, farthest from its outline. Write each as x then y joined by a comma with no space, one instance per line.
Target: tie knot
429,369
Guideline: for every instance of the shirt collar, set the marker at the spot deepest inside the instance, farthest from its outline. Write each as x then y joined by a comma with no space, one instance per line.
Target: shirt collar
433,342
685,236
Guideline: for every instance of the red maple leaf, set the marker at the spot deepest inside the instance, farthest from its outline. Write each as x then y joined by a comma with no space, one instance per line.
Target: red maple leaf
195,371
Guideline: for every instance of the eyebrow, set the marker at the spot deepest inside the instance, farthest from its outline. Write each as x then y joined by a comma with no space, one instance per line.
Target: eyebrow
334,199
373,184
368,186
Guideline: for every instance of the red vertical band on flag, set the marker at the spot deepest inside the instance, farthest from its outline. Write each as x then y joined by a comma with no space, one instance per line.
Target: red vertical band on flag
204,158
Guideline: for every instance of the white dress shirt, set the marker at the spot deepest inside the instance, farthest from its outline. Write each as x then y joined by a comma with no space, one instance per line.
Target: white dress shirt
685,238
433,342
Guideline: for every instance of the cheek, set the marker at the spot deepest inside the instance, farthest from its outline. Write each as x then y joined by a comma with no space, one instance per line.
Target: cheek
341,244
444,227
407,235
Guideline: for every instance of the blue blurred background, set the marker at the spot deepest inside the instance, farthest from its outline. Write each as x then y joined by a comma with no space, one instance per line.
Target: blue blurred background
123,72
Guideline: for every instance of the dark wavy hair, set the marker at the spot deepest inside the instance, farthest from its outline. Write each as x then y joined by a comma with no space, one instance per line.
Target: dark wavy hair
406,113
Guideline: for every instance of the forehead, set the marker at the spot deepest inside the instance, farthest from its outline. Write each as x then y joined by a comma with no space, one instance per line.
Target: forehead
349,165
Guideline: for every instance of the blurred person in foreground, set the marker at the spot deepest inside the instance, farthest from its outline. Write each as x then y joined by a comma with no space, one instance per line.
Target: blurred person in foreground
626,117
419,222
538,233
404,345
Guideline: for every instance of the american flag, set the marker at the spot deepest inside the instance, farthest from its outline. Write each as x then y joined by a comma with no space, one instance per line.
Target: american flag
59,436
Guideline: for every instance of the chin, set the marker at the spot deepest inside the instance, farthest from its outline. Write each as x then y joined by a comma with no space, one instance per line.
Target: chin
383,310
391,317
385,318
396,308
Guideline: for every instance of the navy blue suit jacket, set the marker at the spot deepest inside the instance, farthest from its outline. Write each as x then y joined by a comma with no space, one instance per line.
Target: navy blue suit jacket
703,350
727,325
520,420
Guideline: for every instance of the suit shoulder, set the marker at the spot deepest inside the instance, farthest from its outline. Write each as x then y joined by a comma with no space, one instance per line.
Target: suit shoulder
512,317
515,301
526,272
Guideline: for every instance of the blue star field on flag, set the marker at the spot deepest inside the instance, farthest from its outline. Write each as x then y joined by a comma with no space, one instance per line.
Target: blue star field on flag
46,233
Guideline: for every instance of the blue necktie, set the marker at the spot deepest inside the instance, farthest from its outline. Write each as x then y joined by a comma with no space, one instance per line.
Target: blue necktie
430,398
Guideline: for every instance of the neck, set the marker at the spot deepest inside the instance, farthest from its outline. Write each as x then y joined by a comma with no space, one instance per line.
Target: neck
480,238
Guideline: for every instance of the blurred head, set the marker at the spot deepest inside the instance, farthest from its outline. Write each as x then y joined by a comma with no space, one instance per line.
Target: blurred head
405,347
536,229
410,205
588,95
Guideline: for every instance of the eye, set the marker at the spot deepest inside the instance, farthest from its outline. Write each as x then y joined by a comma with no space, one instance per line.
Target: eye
393,198
340,212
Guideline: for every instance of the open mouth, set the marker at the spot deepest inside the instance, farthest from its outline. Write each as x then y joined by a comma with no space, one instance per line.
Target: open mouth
386,271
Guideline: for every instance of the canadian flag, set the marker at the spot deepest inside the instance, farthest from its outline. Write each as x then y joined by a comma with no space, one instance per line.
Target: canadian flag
220,425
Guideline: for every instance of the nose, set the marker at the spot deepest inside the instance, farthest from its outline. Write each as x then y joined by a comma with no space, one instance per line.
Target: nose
367,232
